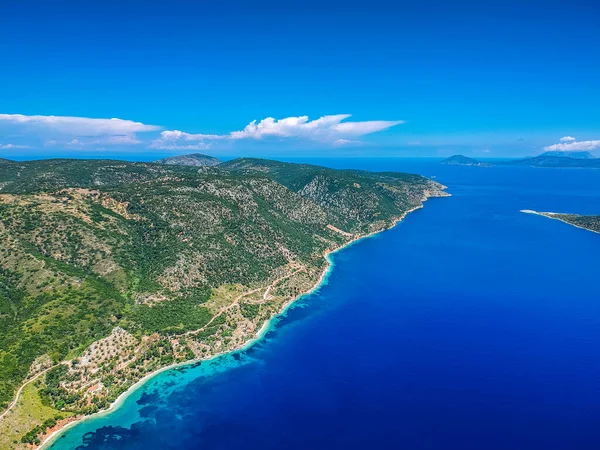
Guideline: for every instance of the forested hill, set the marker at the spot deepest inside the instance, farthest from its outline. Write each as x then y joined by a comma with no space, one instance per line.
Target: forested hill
353,199
195,159
114,269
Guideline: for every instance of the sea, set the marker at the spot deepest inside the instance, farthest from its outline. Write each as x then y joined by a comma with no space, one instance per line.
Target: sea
469,325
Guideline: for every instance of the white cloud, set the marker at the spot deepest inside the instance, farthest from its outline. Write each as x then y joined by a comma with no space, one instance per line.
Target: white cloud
12,146
176,135
84,132
80,125
567,139
330,129
573,145
76,132
362,128
179,140
326,128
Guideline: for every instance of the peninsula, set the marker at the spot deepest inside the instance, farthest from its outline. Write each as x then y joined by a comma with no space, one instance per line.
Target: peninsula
591,223
112,270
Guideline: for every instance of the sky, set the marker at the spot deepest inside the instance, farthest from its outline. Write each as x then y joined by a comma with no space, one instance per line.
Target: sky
312,78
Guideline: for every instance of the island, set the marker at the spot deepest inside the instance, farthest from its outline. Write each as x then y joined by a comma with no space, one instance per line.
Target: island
113,270
460,160
547,159
591,223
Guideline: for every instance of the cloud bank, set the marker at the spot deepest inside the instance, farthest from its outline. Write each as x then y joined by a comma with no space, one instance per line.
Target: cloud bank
567,139
332,130
80,125
569,143
179,140
78,132
84,132
324,128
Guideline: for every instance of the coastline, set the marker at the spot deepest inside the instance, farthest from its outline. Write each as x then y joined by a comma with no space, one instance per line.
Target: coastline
550,215
246,345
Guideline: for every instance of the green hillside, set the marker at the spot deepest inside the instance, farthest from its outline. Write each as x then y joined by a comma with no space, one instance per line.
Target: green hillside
115,269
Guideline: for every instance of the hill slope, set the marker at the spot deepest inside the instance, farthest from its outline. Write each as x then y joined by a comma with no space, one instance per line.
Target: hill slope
113,269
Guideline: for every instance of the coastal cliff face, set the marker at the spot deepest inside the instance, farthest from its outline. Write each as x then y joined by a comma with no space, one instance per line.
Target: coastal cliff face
111,270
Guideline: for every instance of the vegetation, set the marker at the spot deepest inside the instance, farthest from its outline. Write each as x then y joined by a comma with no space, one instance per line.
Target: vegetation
196,159
115,269
249,310
591,223
30,414
176,316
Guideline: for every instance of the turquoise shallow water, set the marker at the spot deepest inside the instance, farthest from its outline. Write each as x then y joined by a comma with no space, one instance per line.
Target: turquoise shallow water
468,326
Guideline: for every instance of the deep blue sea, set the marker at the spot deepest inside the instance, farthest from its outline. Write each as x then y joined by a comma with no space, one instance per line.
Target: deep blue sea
469,325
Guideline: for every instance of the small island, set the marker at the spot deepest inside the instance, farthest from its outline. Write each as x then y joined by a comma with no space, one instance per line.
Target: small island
461,160
591,223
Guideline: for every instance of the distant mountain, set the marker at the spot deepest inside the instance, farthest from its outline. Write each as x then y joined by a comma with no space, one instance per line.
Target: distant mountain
545,160
576,155
195,159
548,159
460,160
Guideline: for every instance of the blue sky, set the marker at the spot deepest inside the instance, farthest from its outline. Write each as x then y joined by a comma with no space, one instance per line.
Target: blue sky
318,78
